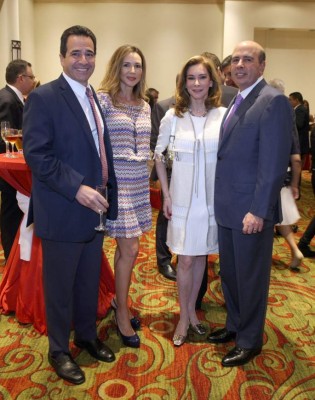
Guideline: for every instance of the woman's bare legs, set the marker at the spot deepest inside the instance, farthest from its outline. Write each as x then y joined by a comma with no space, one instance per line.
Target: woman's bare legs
189,276
287,233
197,271
124,260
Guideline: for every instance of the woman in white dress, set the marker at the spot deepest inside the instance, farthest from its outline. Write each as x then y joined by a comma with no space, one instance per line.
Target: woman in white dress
191,132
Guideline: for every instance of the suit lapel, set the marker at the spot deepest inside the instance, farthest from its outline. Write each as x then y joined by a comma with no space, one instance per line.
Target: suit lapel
76,109
244,106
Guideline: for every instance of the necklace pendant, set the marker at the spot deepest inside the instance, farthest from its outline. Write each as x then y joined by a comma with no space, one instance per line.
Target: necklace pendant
198,113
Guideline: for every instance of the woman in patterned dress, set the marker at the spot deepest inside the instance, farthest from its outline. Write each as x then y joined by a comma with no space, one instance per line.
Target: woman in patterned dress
192,129
127,114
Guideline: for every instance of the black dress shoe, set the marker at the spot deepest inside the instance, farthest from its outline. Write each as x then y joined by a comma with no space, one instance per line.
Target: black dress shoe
66,368
306,251
96,349
135,322
221,336
167,271
198,328
239,356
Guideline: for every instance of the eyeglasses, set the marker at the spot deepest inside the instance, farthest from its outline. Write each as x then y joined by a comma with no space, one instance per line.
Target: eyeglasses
29,76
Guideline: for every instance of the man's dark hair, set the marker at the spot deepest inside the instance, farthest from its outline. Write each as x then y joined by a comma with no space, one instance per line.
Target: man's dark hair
76,30
227,61
14,69
297,96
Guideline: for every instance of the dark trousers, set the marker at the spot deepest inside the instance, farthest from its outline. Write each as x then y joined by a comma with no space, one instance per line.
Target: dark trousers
10,216
203,287
163,255
245,265
308,234
71,273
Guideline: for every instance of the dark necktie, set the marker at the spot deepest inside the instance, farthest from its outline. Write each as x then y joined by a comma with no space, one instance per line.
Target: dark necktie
100,137
237,102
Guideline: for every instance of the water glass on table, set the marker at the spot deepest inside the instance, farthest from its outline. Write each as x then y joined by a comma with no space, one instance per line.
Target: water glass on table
5,127
19,142
11,136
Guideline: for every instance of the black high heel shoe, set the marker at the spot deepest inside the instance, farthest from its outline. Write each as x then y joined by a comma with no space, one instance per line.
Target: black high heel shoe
134,321
129,341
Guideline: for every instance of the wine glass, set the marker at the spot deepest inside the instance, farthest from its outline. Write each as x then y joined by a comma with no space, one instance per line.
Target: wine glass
11,136
5,127
101,189
19,142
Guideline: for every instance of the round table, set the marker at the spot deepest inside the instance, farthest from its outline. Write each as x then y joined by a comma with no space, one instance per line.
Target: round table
21,289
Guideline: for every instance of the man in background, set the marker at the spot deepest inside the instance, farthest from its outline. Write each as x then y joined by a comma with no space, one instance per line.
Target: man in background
226,71
302,124
20,81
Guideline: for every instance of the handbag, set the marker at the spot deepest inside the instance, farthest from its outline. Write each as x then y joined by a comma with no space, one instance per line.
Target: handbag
170,153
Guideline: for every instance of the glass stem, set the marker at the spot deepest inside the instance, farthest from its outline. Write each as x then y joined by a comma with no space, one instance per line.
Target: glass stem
7,149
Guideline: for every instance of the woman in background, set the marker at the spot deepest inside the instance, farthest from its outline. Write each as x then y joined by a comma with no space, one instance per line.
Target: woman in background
191,129
127,114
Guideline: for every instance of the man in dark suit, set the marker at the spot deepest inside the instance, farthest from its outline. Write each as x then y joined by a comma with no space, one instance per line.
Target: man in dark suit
302,123
63,149
163,255
253,156
20,81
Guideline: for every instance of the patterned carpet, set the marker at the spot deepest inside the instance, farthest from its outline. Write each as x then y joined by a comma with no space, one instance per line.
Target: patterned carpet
284,370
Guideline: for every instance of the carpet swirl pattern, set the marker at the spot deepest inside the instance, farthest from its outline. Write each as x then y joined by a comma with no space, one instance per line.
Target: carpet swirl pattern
285,370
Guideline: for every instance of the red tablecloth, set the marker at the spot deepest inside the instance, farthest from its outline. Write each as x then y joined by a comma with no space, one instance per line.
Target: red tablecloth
21,288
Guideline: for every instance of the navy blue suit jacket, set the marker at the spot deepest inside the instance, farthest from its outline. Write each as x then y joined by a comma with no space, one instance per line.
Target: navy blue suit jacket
253,157
60,150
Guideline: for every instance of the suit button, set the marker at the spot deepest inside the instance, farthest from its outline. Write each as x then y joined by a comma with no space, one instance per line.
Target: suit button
219,158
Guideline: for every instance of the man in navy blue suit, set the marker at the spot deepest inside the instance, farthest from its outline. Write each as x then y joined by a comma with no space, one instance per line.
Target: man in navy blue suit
253,156
62,147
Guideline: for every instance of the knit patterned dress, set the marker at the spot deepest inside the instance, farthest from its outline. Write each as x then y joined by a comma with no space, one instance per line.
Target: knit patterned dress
129,129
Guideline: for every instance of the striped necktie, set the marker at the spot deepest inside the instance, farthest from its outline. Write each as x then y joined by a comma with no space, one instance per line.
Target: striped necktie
237,102
100,137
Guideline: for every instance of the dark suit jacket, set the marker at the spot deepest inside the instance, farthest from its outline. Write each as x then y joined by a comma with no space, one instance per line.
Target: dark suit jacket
302,124
253,157
60,150
228,94
11,109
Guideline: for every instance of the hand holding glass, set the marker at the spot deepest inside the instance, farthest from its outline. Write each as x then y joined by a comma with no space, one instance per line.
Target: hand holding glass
101,189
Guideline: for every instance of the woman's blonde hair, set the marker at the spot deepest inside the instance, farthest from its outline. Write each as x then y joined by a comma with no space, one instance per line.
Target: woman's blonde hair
182,97
111,81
